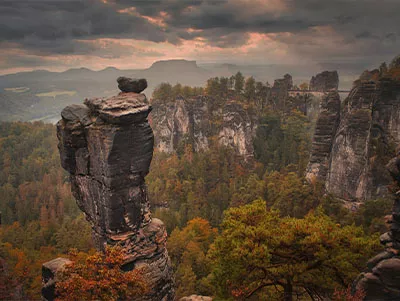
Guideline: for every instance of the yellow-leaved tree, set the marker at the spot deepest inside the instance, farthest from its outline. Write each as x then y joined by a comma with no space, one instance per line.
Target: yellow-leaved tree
260,253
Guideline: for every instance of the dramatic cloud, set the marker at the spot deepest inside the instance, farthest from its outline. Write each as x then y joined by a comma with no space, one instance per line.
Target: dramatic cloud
133,33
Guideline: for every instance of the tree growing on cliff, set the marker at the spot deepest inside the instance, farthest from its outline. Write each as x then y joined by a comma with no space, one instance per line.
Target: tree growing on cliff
304,86
239,82
100,277
260,253
250,89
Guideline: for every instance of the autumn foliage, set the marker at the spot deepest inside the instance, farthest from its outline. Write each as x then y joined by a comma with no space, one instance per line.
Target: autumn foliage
262,254
100,277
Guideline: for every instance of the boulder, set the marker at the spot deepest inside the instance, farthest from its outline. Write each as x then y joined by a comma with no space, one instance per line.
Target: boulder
126,84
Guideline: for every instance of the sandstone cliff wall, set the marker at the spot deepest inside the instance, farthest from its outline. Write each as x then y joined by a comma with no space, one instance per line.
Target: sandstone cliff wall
352,164
325,131
368,129
325,81
198,120
380,280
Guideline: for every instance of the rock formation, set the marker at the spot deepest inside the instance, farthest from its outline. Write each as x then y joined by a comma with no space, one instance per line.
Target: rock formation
325,81
131,85
369,127
280,91
196,120
107,145
325,131
381,280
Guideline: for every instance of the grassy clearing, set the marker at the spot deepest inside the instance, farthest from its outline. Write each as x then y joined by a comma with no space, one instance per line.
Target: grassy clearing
54,94
17,89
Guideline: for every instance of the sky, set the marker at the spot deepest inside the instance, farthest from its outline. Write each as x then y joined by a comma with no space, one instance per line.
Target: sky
128,34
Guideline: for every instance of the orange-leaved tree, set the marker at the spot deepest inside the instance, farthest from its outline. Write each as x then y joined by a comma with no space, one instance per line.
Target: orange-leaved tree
100,277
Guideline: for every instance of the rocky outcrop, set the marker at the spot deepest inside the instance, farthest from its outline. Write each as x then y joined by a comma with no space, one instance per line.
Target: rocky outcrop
126,84
280,92
325,81
381,280
369,126
197,120
352,165
107,146
325,131
49,275
238,129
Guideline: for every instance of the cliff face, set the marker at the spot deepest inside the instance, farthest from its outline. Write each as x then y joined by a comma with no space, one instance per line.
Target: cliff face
381,280
199,119
107,147
370,124
325,131
353,166
325,81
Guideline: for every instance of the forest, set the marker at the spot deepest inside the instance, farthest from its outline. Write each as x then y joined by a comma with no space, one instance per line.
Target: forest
236,229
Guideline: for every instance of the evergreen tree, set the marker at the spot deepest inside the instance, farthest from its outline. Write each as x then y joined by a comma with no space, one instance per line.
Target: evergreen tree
250,89
239,83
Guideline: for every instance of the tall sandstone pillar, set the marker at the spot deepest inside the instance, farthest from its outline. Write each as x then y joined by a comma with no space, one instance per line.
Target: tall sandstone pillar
107,145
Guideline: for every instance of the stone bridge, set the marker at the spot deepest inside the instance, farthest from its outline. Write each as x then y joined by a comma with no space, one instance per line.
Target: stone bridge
294,93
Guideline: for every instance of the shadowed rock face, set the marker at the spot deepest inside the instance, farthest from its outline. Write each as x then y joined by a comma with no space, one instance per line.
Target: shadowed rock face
381,280
325,131
350,156
370,123
107,145
126,84
325,81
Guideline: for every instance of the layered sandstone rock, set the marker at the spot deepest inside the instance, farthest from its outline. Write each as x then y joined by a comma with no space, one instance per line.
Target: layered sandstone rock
196,120
381,280
107,145
325,131
325,81
280,92
353,164
369,126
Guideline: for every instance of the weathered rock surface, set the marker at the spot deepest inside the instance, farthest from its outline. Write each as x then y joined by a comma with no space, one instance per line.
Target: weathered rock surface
126,84
325,81
280,91
381,280
49,275
325,131
107,147
197,119
353,164
370,123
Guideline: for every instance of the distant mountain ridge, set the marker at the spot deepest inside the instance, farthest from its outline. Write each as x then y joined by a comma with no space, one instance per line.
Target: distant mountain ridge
42,94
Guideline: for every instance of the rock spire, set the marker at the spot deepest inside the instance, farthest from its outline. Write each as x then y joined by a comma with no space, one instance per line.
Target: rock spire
107,145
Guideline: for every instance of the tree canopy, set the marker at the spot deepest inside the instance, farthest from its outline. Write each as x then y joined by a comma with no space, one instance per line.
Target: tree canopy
259,252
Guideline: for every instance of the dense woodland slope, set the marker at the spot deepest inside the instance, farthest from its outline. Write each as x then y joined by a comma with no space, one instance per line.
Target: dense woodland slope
232,222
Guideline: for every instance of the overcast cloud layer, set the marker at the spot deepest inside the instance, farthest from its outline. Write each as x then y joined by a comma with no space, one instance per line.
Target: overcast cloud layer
334,34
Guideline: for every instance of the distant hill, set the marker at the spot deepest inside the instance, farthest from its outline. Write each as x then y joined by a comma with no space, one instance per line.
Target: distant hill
41,95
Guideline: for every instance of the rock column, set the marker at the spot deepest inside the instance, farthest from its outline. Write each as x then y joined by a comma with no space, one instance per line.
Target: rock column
107,145
325,131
